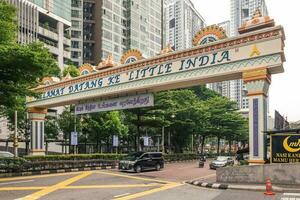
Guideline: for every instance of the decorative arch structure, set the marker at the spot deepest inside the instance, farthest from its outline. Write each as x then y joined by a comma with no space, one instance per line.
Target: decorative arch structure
254,55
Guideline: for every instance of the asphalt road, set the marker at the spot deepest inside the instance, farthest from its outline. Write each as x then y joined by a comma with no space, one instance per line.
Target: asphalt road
105,184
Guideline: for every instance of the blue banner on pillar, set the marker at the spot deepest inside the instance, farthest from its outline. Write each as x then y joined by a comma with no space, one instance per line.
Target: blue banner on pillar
255,127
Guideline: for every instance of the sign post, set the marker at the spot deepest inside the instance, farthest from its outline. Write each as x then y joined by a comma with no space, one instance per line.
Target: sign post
116,142
74,138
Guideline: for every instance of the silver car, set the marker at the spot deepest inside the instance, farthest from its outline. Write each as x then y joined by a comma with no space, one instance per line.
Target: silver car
221,161
6,154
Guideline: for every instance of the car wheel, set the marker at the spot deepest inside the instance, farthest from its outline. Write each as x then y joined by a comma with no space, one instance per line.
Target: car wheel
138,169
157,167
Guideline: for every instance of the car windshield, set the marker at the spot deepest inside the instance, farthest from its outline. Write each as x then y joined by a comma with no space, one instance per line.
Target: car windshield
221,158
133,156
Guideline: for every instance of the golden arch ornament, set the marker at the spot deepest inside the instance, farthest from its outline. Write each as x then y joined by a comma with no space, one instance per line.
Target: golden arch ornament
209,34
131,56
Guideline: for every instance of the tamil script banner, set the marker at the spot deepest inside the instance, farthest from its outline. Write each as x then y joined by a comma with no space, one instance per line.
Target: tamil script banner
137,101
285,148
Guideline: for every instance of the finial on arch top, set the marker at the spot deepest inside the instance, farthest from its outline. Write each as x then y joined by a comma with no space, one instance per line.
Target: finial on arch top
256,22
67,77
167,49
106,63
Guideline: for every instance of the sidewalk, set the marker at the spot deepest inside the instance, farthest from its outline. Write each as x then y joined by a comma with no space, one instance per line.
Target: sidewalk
250,187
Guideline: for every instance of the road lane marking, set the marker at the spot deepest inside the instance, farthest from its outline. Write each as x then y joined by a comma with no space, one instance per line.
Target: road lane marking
21,188
55,187
134,177
148,192
16,182
36,176
121,195
110,186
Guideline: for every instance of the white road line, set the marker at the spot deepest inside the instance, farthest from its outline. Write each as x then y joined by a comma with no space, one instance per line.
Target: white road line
291,194
14,182
120,195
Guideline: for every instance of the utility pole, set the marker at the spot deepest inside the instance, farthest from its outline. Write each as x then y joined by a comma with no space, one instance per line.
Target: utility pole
163,139
16,135
192,143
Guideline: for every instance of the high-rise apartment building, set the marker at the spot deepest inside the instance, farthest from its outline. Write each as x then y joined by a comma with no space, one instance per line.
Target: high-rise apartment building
181,22
241,11
115,26
224,86
77,32
47,21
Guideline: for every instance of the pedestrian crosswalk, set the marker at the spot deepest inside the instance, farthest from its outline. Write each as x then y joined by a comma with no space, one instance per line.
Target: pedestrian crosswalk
290,196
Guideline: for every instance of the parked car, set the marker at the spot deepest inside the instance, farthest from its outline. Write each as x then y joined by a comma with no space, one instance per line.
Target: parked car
221,161
6,154
140,161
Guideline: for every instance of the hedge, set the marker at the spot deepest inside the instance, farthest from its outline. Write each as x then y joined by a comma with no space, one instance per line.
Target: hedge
76,157
115,157
13,164
32,163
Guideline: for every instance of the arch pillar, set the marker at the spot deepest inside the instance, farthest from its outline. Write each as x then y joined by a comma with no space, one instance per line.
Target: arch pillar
257,82
37,122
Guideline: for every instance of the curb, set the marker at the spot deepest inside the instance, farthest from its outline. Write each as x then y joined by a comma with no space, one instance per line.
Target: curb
55,171
240,187
209,185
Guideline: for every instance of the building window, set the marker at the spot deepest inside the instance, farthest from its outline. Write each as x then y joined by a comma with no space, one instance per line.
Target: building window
172,23
107,34
116,49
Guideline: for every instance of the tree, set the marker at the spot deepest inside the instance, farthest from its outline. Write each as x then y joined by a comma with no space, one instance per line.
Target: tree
224,121
204,93
21,66
72,70
98,127
7,23
51,128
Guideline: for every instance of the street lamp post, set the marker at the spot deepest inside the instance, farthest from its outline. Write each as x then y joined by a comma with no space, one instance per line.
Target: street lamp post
169,134
16,135
163,139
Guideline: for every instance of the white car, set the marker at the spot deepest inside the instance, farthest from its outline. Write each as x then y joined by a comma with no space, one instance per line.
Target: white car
6,154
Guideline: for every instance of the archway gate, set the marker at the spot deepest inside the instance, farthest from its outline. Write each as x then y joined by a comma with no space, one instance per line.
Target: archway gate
253,56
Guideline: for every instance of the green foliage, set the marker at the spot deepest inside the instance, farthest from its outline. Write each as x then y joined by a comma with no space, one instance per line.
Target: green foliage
51,128
244,162
66,121
95,127
12,164
7,23
21,66
72,70
75,157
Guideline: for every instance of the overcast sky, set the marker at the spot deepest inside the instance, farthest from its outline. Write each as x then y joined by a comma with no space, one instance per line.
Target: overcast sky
285,88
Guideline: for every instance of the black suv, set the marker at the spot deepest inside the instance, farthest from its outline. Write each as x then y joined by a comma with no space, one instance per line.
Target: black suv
140,161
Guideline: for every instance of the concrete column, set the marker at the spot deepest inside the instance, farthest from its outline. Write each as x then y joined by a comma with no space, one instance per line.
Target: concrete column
37,121
257,84
60,58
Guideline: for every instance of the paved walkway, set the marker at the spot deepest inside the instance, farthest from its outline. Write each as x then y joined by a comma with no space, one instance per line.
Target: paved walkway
181,172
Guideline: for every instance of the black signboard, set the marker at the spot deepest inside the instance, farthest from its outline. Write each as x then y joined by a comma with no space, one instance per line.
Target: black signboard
285,148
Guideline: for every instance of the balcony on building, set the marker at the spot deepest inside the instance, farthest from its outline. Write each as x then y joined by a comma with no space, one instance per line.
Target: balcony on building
48,31
76,3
